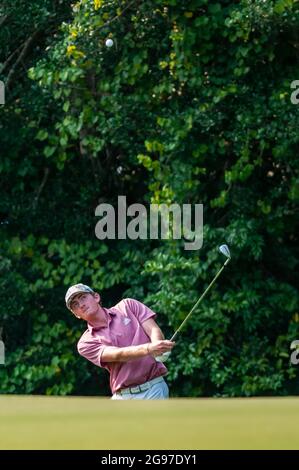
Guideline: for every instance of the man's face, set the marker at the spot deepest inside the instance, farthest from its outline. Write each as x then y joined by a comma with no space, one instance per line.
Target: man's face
85,305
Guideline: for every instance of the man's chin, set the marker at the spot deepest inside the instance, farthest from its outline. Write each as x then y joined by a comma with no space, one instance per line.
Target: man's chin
89,314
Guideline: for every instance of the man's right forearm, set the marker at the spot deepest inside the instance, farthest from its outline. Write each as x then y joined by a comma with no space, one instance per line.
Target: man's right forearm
128,353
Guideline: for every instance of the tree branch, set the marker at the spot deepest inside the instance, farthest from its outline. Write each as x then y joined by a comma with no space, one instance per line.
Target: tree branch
11,56
25,49
117,16
3,19
41,187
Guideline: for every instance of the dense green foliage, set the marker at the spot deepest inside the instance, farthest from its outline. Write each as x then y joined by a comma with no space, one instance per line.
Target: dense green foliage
190,105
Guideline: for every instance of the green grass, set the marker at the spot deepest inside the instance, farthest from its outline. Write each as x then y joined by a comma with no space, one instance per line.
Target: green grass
35,422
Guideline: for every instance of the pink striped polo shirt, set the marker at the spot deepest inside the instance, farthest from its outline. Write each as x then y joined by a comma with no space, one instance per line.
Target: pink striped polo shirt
124,328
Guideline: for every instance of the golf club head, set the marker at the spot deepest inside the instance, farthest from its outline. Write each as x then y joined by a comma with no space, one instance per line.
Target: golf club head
225,251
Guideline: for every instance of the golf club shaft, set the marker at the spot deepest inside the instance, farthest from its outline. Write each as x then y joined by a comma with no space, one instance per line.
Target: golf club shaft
199,300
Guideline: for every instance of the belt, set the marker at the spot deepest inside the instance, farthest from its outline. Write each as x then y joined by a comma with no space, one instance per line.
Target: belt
142,387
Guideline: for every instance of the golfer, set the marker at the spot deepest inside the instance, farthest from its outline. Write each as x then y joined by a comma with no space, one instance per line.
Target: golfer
124,339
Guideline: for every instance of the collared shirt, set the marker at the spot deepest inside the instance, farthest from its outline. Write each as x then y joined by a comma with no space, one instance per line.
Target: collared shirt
124,328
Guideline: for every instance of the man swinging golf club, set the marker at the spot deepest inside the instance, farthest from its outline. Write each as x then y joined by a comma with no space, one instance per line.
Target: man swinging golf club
124,340
118,340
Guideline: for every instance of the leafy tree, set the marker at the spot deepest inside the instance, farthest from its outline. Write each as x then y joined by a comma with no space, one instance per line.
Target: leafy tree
190,105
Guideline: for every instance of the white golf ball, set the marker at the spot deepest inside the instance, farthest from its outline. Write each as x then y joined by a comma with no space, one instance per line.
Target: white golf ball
109,42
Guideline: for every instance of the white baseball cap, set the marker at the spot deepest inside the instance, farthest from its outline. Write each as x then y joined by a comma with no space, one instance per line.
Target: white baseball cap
74,290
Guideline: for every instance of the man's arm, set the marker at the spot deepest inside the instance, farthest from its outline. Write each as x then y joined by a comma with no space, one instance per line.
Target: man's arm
152,330
156,347
128,353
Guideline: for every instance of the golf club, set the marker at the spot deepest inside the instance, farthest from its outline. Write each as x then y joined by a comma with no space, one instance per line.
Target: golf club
225,251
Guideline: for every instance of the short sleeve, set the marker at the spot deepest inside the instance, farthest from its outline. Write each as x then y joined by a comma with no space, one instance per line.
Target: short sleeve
92,350
141,311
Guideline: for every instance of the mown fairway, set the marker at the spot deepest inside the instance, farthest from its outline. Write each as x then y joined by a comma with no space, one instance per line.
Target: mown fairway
99,423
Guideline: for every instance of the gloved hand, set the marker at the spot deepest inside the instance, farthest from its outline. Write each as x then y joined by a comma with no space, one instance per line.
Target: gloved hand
163,357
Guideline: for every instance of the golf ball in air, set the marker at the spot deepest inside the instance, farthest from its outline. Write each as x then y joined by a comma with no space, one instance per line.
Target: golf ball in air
109,42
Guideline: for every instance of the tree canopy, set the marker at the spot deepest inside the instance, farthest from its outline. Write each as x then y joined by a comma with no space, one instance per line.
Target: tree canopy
191,105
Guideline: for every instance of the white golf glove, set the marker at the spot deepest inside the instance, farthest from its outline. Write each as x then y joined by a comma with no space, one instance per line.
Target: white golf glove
163,357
